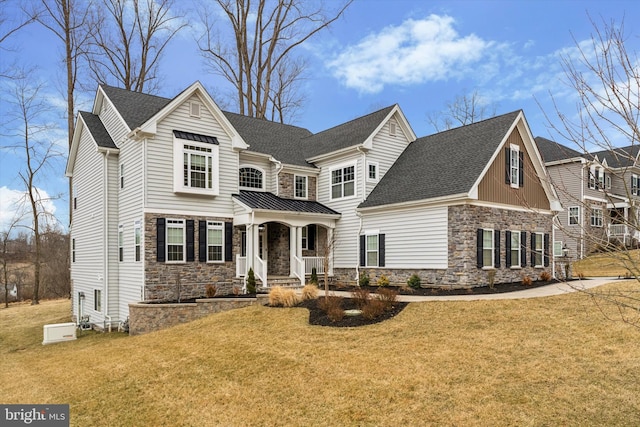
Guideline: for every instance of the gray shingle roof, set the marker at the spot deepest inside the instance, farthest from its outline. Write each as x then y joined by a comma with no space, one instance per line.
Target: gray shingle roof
552,151
97,130
619,157
278,140
195,137
442,164
345,135
134,107
269,201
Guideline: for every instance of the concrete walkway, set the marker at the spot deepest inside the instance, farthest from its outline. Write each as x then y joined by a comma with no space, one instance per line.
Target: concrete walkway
541,291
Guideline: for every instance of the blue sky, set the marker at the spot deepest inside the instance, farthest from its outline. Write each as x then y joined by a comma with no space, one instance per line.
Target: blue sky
419,54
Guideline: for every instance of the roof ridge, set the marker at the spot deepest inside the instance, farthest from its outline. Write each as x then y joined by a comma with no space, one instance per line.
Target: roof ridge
355,119
473,124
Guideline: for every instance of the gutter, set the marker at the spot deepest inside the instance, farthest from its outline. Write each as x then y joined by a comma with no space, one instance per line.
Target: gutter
106,241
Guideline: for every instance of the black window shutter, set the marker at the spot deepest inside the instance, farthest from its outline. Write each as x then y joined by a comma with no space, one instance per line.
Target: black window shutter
479,247
533,249
496,248
546,250
597,178
521,169
523,249
381,250
363,251
311,237
160,240
507,165
228,241
507,248
191,256
202,241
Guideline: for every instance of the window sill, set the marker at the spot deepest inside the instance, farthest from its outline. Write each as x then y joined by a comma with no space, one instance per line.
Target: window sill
488,268
196,191
515,267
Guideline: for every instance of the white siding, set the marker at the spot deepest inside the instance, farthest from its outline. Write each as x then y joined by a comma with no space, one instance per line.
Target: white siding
159,161
110,189
264,165
385,151
570,182
112,122
414,238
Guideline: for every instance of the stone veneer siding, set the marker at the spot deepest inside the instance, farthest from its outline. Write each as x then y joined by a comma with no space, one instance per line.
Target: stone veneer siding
286,188
279,262
462,271
145,318
168,281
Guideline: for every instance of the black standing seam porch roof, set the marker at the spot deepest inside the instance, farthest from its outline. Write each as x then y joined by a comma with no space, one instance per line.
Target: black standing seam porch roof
271,202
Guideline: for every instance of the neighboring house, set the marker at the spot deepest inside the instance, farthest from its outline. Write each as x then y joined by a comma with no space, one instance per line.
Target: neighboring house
171,195
599,193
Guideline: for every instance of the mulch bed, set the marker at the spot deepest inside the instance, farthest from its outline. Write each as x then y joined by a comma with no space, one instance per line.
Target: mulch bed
318,317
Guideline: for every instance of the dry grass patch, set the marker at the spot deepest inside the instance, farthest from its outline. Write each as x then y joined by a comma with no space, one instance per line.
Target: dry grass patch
606,265
282,297
309,292
548,361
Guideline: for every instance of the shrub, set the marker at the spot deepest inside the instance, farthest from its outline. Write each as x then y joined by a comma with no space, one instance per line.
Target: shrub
374,308
363,280
314,276
581,275
251,282
360,297
526,280
281,297
383,281
211,290
545,276
414,281
236,290
332,305
491,278
388,297
309,292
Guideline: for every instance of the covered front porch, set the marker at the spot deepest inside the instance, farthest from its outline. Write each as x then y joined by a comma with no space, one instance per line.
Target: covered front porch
623,223
283,238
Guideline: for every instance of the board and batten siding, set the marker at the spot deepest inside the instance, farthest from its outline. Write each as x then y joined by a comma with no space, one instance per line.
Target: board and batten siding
385,151
493,187
160,170
346,231
87,226
130,210
414,238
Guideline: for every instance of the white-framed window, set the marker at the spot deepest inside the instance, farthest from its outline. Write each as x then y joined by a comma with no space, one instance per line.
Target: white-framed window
137,240
194,109
596,217
176,244
538,249
343,182
607,181
393,128
251,177
574,215
516,248
487,248
305,237
195,167
598,180
73,250
215,241
514,154
557,248
372,250
635,185
372,171
120,243
300,186
121,175
97,300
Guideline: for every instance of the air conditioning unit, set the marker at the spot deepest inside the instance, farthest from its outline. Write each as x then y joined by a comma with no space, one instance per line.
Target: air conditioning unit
59,332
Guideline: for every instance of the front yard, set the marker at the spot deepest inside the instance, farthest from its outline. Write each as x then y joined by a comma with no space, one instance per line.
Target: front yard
548,361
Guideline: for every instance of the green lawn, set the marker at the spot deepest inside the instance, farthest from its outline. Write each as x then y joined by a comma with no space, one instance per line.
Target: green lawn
550,361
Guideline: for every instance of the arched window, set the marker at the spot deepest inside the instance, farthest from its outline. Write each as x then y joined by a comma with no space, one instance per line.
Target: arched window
250,178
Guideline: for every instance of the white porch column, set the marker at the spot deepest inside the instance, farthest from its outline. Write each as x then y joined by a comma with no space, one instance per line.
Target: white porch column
255,236
330,243
299,242
250,245
292,248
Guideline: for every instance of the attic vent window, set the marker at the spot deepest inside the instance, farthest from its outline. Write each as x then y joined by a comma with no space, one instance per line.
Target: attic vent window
194,109
392,128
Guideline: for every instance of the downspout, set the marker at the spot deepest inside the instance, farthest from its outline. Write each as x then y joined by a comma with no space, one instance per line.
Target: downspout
582,211
358,214
144,206
106,241
553,244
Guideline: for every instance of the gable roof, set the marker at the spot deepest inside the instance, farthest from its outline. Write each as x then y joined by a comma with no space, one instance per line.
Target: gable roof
346,135
134,107
444,164
281,141
97,130
271,202
552,151
619,157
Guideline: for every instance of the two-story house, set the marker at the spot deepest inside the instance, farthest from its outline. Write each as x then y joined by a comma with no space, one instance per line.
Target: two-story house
599,194
172,195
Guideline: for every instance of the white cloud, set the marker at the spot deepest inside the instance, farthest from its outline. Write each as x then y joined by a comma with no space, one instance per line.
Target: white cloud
15,206
414,52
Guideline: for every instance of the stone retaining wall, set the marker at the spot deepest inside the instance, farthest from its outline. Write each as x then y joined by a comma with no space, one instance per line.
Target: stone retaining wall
145,317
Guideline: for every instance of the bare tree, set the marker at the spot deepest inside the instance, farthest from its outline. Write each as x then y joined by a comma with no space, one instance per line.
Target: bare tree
7,29
5,249
259,59
605,76
28,109
129,41
463,110
72,22
55,263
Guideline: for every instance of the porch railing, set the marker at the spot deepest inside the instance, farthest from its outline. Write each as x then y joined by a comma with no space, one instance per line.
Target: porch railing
618,230
260,270
241,265
298,269
311,262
